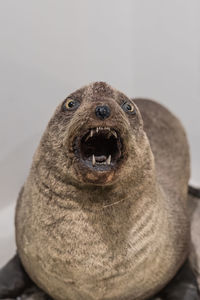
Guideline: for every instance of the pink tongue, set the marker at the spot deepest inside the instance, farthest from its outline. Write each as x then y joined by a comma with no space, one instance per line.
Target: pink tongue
100,158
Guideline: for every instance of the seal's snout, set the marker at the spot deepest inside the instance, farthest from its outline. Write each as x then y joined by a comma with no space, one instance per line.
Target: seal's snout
102,112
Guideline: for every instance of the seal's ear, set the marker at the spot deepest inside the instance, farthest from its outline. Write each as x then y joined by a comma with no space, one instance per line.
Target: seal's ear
13,279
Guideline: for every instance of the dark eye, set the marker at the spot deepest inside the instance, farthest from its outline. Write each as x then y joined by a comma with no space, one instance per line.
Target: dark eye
71,104
129,107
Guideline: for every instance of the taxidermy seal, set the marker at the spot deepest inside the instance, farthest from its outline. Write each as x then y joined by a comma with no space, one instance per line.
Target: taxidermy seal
103,213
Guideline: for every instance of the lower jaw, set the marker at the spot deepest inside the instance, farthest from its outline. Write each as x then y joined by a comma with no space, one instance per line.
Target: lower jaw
98,167
103,178
97,175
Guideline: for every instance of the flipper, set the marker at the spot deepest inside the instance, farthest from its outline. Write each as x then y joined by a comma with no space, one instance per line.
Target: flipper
34,293
183,286
16,284
194,200
13,279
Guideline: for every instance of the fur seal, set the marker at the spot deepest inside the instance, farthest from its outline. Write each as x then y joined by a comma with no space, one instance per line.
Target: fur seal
103,213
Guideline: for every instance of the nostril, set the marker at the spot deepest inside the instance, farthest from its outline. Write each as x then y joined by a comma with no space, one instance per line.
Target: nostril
102,112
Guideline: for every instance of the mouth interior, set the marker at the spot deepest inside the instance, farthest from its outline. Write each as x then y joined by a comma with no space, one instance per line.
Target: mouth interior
101,147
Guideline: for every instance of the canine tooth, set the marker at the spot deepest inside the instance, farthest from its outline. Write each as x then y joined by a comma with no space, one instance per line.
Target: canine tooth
91,133
108,161
87,137
93,160
114,133
97,129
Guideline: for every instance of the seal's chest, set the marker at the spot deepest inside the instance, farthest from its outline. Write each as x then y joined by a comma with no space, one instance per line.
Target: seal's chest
90,249
96,254
99,261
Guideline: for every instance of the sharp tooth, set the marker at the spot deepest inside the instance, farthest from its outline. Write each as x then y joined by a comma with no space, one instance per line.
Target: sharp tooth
91,133
87,137
114,133
108,161
97,129
93,160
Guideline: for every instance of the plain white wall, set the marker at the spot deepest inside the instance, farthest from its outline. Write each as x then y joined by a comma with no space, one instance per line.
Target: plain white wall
50,48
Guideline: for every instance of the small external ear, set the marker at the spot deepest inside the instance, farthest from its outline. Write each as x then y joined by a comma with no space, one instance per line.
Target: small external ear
138,114
13,279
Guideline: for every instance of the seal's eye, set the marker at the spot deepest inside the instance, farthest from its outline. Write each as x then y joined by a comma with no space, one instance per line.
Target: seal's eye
129,107
71,104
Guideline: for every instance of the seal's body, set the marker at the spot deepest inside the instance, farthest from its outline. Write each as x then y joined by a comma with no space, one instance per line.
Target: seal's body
103,213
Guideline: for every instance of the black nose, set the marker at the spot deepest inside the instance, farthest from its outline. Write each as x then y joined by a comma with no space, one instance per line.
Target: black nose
102,112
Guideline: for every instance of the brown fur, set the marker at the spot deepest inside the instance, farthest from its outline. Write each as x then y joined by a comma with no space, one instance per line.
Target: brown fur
116,235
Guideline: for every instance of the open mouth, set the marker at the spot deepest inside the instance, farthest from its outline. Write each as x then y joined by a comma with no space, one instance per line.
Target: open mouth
100,148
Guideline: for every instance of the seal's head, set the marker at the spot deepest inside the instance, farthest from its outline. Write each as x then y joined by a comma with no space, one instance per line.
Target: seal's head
96,132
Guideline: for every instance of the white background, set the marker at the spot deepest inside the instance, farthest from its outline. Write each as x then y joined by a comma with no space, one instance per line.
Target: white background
50,48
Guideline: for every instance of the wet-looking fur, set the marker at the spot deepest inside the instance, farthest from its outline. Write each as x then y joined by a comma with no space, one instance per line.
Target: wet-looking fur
94,224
